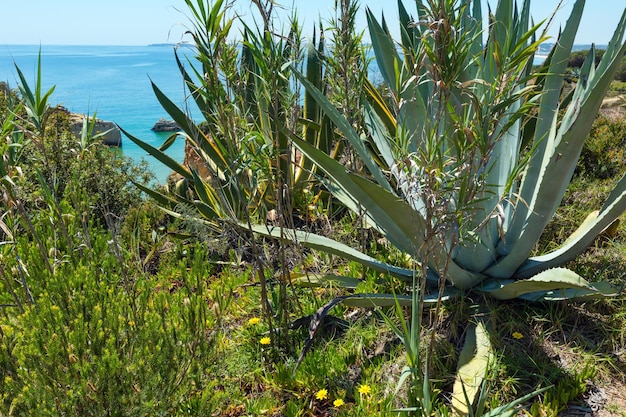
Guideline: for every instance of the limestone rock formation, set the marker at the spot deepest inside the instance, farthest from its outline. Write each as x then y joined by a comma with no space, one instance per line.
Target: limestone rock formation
163,125
112,135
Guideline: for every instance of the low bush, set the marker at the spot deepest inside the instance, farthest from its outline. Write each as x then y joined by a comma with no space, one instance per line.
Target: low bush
604,153
95,343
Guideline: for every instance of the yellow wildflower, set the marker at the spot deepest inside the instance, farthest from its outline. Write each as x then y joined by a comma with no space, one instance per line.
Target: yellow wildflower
321,394
254,320
365,389
338,402
517,335
265,340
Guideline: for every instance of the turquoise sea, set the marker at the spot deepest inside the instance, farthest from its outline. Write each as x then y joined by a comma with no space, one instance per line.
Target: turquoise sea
111,81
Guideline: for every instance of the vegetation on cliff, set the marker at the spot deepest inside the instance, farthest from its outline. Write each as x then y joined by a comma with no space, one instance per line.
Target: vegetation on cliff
278,276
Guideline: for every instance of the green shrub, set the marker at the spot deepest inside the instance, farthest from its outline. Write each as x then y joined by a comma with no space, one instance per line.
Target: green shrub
93,345
604,153
617,87
577,58
93,178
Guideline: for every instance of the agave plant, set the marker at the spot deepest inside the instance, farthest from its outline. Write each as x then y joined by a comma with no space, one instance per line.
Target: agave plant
473,161
468,161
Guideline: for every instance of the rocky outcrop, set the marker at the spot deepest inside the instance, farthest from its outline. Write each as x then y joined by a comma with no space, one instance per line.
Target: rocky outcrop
194,162
163,125
111,134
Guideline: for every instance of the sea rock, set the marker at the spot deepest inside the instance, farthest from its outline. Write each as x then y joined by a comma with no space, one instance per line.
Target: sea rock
111,134
164,125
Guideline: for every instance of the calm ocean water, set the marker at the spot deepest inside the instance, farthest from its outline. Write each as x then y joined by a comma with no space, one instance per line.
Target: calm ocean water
113,81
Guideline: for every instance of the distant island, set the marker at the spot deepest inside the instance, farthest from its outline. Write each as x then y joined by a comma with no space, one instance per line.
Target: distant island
172,44
547,46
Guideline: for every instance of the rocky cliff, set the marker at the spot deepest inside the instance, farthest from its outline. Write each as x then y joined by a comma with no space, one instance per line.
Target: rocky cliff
112,135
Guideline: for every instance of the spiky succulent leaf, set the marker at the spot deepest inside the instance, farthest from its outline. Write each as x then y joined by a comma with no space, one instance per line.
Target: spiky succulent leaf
554,160
474,360
556,282
394,217
160,156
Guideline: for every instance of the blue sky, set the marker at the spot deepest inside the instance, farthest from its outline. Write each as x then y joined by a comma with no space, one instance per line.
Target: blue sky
141,22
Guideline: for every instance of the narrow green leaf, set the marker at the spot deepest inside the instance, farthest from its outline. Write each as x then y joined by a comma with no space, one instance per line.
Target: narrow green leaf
385,52
161,199
333,247
159,155
348,131
324,280
390,300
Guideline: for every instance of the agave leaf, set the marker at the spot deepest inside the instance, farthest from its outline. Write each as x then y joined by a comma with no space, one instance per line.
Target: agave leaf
612,209
555,171
584,226
171,139
333,247
377,103
386,211
394,217
616,194
598,290
212,207
474,361
210,147
409,34
163,200
545,123
580,240
324,280
311,109
387,57
159,155
379,134
390,300
348,131
195,91
546,282
176,113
